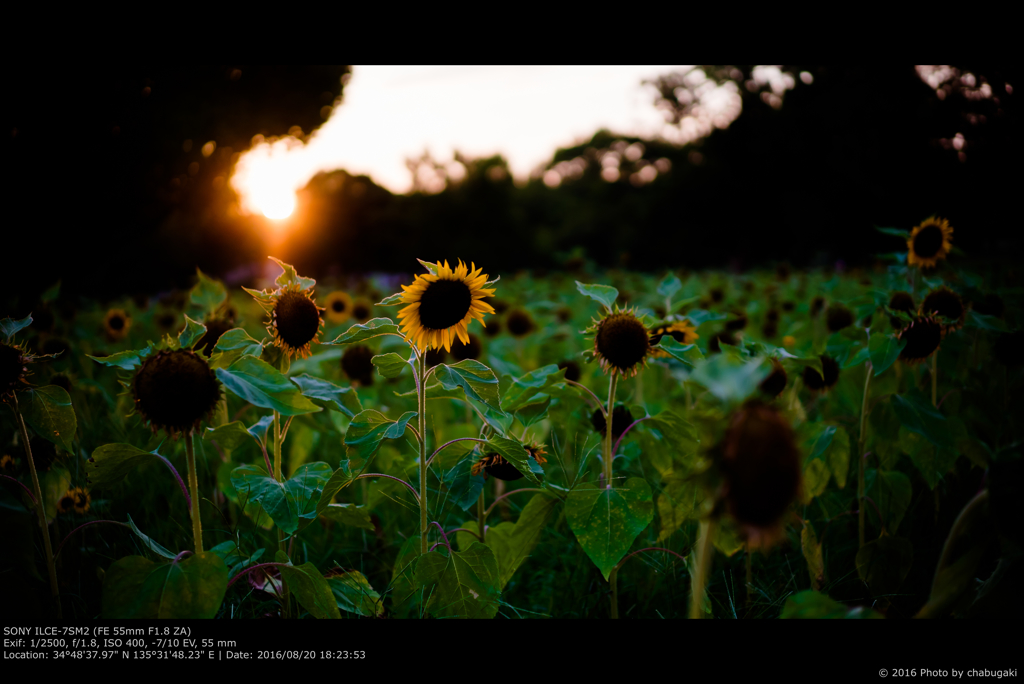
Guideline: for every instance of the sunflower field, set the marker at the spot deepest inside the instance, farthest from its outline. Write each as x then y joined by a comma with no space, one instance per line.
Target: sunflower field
579,444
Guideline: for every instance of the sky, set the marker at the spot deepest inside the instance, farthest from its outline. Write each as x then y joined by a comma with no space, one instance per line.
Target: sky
390,114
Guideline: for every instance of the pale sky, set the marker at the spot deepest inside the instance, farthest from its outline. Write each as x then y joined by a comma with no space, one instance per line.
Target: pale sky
392,113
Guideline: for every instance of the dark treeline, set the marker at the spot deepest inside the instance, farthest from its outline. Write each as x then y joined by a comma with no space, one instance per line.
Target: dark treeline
803,183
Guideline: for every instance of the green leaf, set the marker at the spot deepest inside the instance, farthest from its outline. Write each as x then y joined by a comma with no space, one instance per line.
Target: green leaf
729,538
607,520
463,486
191,333
349,514
812,605
353,593
533,412
285,502
149,543
515,453
207,293
234,558
891,491
687,353
389,365
291,276
432,268
513,545
862,354
931,461
366,331
816,475
111,463
326,394
50,293
393,300
728,381
49,413
699,316
403,575
477,380
922,418
884,563
311,590
369,428
233,345
341,478
135,587
790,362
258,430
884,350
813,555
680,436
678,502
525,388
126,360
262,385
605,294
464,585
839,456
229,435
669,285
983,321
10,327
896,232
818,437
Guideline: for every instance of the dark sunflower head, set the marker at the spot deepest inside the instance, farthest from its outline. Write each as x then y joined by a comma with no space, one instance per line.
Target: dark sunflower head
838,317
901,301
462,351
116,324
82,500
519,323
946,303
817,304
338,306
737,322
8,465
722,336
772,316
66,504
362,310
13,368
563,314
622,418
44,453
572,370
436,356
215,327
760,463
174,390
493,327
496,465
773,385
500,306
295,321
929,243
770,329
822,382
357,364
1008,347
622,342
717,295
788,305
923,336
165,321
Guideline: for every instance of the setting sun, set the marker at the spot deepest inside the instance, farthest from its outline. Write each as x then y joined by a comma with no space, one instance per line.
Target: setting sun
267,177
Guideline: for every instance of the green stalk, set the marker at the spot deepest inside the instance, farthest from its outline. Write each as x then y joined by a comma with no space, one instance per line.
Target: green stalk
608,430
705,550
193,485
860,458
54,589
421,406
481,516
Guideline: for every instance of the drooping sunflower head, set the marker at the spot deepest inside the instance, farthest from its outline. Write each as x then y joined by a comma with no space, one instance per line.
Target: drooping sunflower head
519,323
773,385
572,370
339,306
362,309
923,336
215,327
496,465
683,332
838,317
13,368
822,382
929,243
116,324
944,302
440,307
622,418
462,351
622,342
174,390
760,463
295,320
357,364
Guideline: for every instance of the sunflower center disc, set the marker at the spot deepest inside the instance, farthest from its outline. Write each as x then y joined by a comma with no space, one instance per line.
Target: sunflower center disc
176,389
928,241
338,306
357,363
623,340
297,319
444,303
10,367
116,323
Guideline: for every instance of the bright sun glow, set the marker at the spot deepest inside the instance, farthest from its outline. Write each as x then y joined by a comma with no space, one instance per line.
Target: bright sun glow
267,177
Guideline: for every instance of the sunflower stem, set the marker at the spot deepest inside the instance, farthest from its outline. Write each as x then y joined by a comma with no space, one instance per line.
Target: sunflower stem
40,513
193,485
705,550
277,446
608,430
481,516
421,405
861,459
935,375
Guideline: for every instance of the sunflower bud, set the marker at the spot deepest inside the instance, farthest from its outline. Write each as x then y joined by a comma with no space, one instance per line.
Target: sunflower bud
923,336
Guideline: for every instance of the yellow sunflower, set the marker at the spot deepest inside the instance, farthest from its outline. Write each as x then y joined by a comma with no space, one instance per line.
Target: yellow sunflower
440,307
339,306
683,332
295,320
116,324
929,243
